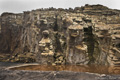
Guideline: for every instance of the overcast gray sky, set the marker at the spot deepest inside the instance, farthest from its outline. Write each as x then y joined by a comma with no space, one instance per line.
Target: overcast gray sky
17,6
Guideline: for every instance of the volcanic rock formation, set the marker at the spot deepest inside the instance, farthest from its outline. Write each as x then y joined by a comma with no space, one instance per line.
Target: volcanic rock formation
84,35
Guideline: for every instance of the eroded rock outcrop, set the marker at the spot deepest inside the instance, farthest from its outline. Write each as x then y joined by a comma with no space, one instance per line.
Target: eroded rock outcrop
84,35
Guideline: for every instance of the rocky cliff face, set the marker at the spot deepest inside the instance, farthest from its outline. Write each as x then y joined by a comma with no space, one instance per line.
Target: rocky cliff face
84,35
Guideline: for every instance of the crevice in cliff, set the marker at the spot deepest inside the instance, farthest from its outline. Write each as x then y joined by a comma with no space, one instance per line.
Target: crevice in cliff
59,57
89,39
55,28
57,42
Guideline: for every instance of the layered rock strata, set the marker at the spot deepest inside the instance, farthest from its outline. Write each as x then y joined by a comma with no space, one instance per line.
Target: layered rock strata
84,35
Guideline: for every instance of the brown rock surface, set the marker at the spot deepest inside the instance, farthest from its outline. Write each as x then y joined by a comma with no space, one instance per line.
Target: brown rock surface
84,35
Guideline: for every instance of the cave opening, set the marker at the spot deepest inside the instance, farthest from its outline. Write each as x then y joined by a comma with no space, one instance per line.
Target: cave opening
118,45
89,39
85,29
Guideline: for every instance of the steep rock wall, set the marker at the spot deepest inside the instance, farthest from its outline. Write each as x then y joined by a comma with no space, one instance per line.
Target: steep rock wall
85,35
